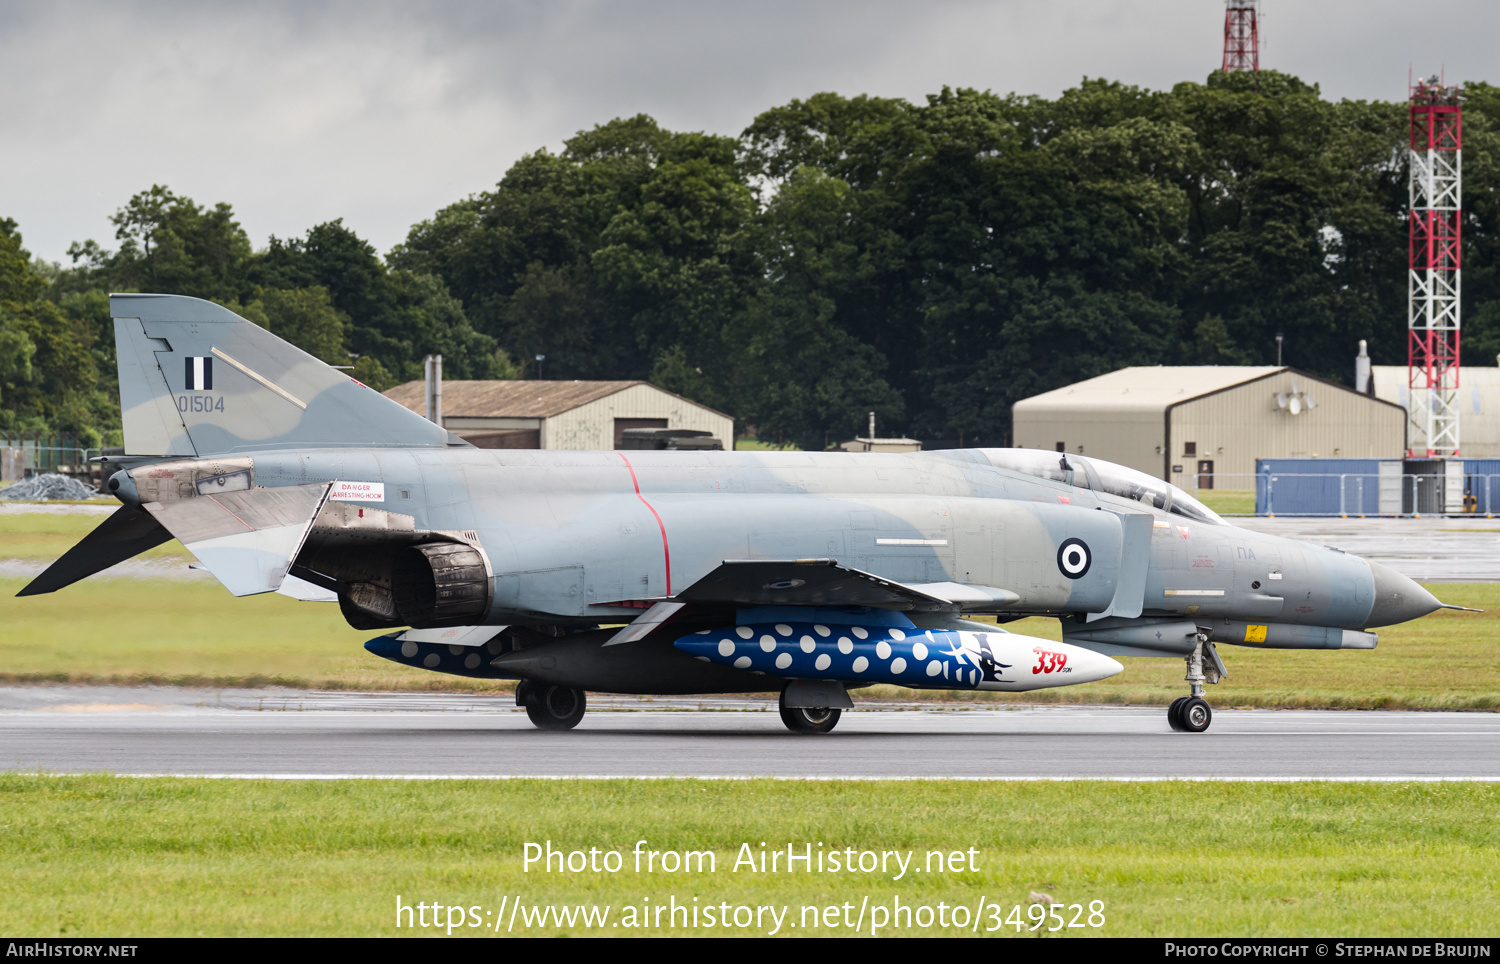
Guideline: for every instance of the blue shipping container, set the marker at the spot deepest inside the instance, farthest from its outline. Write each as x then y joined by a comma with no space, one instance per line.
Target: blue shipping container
1320,486
1482,480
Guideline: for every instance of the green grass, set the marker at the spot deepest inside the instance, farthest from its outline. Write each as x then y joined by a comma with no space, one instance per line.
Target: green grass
749,443
195,633
1228,501
87,856
45,536
1445,661
192,634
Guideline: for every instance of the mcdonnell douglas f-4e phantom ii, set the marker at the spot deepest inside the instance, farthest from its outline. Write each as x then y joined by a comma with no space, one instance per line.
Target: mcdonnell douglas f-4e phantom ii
811,573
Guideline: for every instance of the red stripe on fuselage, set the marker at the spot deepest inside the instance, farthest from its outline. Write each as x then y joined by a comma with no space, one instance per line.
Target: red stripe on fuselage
666,552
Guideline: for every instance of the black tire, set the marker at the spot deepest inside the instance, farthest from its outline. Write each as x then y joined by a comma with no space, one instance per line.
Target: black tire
1195,715
801,719
1173,719
556,707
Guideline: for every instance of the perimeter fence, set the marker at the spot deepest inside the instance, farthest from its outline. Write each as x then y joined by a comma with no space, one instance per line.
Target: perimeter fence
1350,494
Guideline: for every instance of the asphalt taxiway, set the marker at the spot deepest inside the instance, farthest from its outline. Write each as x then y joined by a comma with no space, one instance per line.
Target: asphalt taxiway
324,735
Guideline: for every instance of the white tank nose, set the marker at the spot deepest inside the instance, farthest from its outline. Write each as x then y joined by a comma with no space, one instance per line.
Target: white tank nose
1034,663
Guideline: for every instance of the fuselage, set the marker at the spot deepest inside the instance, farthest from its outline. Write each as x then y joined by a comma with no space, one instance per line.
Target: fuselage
584,536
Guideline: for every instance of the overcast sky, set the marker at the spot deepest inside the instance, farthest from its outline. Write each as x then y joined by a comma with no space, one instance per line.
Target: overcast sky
299,112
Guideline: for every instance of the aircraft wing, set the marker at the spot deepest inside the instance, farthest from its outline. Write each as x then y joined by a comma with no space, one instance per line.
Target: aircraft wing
246,538
823,582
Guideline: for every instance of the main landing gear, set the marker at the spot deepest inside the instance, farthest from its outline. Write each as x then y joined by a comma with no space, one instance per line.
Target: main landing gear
1192,714
803,719
551,707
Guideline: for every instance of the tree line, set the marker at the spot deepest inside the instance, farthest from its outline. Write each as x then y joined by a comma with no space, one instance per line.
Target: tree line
931,262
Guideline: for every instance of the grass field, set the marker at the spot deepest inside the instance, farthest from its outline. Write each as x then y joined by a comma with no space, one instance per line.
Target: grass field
45,536
195,633
1228,501
114,856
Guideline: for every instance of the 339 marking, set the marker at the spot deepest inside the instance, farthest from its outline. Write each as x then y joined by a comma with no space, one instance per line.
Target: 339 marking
200,403
1050,662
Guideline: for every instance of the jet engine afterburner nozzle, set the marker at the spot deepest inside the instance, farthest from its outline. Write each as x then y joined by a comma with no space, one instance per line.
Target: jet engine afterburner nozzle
1398,598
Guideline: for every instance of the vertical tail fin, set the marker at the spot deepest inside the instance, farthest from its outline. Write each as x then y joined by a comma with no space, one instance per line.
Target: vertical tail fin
196,379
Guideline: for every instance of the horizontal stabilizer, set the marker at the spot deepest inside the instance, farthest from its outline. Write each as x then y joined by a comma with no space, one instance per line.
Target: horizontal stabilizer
248,538
129,532
814,582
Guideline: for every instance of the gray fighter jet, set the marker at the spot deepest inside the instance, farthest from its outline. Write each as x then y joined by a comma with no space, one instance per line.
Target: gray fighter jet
686,572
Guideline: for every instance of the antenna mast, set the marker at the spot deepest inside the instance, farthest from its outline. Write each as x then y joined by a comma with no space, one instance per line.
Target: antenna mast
1242,35
1432,286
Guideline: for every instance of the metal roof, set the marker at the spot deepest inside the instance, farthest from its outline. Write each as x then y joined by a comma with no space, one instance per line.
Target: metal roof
516,398
1147,388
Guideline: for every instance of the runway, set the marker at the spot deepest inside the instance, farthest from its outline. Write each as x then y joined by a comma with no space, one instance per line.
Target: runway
1433,549
288,733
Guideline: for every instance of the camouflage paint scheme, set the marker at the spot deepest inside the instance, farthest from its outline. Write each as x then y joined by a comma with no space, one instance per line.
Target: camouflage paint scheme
559,542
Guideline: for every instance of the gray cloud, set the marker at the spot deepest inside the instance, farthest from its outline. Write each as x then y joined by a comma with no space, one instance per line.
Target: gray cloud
297,113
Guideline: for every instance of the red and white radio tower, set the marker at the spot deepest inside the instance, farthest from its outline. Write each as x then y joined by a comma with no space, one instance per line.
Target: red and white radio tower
1432,278
1241,35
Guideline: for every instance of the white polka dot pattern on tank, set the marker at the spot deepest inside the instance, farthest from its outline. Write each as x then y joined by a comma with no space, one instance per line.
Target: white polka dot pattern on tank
823,661
408,649
861,632
933,668
454,650
742,663
471,661
861,664
726,647
883,649
784,660
919,651
845,646
807,644
745,632
768,644
820,629
898,665
783,629
431,660
897,635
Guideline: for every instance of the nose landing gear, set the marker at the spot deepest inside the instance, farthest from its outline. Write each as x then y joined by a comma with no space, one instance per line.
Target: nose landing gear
1192,714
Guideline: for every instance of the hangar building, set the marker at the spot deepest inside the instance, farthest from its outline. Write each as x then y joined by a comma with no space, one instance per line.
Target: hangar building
1191,424
1478,404
561,414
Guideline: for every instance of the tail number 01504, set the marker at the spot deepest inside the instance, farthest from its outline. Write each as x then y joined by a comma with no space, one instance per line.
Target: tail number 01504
200,403
1050,662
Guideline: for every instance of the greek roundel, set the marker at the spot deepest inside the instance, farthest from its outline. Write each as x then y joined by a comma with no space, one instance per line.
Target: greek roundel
1073,558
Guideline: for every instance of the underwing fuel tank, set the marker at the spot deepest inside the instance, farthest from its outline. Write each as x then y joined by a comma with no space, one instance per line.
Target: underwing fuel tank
926,658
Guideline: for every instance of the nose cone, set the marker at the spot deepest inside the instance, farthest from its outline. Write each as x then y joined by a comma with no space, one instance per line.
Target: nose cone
1398,598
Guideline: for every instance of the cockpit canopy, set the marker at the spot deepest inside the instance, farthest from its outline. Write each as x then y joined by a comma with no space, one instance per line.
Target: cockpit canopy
1105,477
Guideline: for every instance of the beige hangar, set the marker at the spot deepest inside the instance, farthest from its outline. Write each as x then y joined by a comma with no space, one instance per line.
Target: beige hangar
1203,426
561,414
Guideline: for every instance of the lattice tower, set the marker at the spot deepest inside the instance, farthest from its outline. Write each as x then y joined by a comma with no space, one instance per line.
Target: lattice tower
1241,35
1435,223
